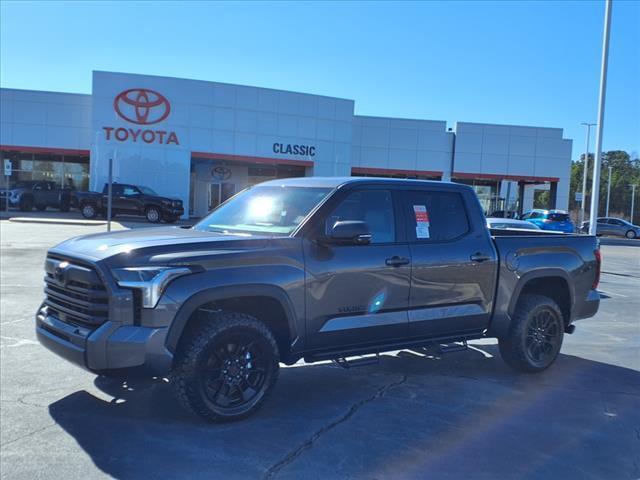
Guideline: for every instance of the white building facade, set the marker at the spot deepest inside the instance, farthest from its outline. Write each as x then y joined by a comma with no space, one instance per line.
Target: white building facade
204,141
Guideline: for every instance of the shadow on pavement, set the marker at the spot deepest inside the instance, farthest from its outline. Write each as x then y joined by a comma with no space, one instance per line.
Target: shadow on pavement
413,416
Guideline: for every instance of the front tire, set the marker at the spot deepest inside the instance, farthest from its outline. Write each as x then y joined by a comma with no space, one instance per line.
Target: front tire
535,335
153,214
226,369
630,234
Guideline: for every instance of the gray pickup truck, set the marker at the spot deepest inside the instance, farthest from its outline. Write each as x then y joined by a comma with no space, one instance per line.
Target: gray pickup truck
314,269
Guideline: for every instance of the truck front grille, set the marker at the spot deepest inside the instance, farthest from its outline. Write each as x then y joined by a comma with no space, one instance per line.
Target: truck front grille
75,293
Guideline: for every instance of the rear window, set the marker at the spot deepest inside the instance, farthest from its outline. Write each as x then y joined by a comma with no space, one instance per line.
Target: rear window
558,217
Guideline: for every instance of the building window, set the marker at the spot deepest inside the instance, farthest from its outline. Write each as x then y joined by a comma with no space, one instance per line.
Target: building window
70,171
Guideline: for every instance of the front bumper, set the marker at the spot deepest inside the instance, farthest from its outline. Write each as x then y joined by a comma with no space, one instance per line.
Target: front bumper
110,347
173,211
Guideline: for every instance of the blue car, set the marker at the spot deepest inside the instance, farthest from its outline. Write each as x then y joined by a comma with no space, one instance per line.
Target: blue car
554,220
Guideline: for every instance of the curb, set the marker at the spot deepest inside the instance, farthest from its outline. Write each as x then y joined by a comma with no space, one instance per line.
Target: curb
53,221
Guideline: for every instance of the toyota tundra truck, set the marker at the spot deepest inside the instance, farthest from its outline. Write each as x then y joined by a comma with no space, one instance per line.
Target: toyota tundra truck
317,269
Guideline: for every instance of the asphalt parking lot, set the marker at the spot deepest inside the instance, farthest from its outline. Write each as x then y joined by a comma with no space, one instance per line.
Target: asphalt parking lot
464,415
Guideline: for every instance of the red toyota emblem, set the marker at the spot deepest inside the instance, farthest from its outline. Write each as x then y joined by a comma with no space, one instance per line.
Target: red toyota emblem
141,106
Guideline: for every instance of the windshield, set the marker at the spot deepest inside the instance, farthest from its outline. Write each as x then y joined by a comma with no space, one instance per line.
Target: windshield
147,191
271,210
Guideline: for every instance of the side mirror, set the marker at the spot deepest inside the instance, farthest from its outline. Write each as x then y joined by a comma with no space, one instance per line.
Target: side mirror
350,231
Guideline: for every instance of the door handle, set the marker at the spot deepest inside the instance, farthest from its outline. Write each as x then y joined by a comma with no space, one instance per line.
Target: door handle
480,257
396,261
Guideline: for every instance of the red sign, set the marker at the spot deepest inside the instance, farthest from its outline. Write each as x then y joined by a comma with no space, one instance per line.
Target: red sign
141,106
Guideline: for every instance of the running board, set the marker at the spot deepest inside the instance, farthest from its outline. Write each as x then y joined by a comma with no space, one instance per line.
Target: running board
454,347
443,347
343,362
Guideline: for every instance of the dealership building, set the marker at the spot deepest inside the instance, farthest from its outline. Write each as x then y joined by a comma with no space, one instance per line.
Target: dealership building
203,141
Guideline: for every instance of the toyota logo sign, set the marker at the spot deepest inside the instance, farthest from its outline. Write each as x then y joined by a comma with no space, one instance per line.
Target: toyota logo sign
142,106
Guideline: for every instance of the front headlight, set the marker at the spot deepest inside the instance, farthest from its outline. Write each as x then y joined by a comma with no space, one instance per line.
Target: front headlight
150,281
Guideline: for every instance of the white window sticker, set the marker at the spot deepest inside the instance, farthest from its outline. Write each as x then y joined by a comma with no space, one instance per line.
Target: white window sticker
422,221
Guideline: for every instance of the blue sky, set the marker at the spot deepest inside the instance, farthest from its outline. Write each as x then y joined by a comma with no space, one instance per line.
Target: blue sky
529,63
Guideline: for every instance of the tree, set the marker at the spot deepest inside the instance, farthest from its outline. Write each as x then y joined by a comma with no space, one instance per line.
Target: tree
625,172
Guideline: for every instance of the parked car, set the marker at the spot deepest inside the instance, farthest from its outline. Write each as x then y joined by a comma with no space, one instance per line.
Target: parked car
555,220
130,200
315,269
27,194
613,226
511,223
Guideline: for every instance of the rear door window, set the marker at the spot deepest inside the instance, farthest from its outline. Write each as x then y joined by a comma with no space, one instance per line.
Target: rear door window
435,216
558,217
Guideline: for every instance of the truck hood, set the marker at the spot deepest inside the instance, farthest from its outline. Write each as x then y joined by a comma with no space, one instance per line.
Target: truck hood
103,245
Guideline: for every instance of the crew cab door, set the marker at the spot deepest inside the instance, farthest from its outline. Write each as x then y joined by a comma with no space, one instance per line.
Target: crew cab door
358,294
126,199
454,263
44,194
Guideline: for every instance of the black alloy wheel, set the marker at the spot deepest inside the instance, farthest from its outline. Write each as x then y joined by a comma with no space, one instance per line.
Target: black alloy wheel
543,335
233,372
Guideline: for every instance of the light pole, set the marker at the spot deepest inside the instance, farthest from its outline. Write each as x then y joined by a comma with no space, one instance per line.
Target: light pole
595,190
633,198
608,191
585,169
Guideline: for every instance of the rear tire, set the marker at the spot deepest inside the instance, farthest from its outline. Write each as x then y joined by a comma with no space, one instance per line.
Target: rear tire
88,210
225,369
535,335
153,214
25,204
630,234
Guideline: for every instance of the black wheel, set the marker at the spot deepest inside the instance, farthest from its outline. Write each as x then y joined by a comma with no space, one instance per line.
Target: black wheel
535,336
153,214
630,234
88,210
227,368
41,208
25,204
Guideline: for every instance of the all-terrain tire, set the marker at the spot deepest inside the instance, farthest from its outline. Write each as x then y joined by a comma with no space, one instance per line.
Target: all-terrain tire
190,375
526,337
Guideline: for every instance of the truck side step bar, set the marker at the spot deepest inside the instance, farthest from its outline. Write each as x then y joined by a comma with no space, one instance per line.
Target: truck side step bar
443,348
343,362
454,347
